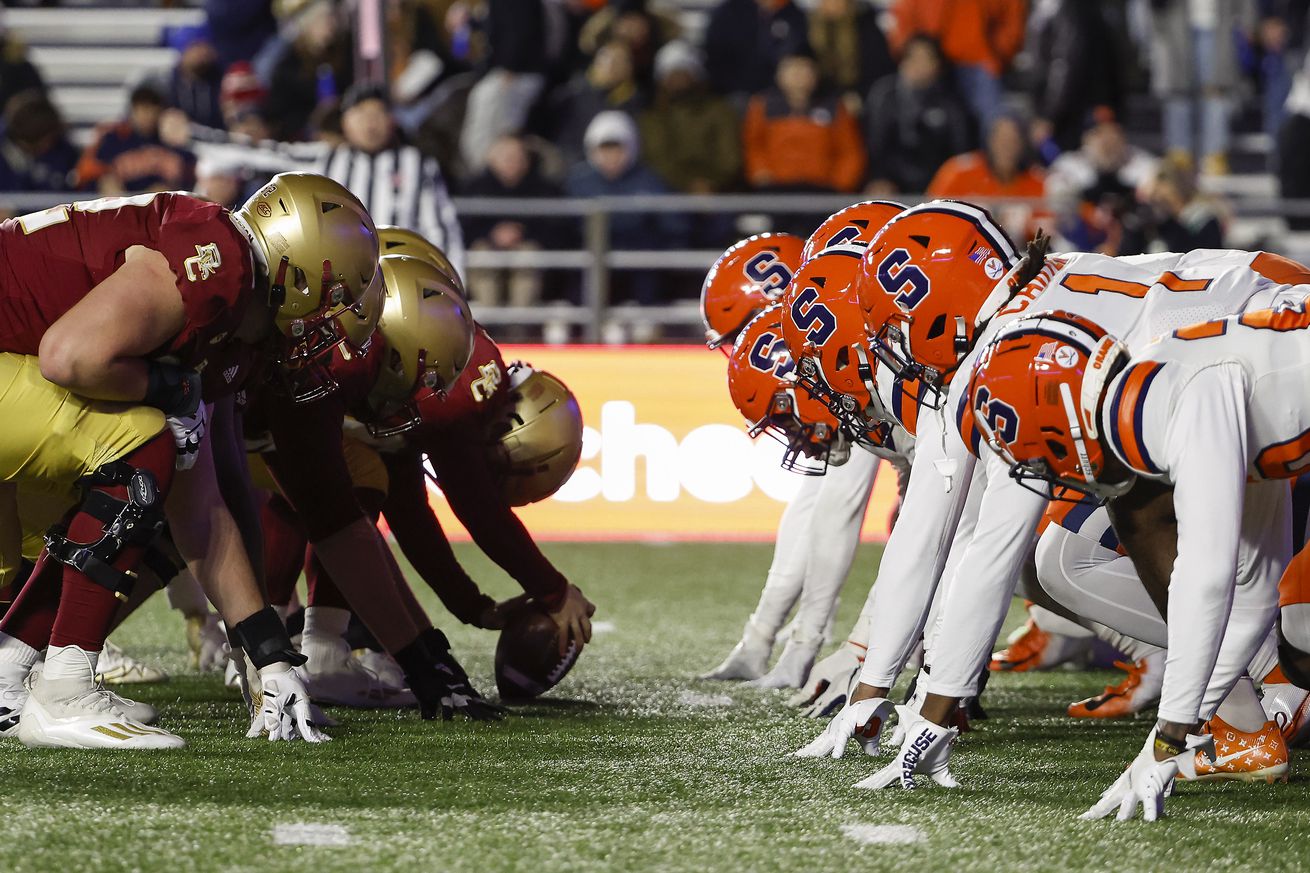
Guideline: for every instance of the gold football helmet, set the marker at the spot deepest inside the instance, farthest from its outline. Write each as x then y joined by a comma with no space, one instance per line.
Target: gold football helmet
535,443
400,241
320,249
427,329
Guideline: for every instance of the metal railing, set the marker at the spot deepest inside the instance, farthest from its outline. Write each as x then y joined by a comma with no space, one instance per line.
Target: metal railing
596,260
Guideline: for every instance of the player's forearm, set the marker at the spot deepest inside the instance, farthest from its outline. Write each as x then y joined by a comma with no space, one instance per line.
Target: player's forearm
216,556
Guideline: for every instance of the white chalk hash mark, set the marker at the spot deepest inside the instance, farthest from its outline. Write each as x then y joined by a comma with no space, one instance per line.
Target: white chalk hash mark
311,835
693,698
602,627
884,835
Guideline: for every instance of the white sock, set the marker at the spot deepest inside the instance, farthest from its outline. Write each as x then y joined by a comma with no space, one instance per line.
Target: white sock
282,612
186,596
15,651
70,662
1242,709
1054,623
322,642
1133,648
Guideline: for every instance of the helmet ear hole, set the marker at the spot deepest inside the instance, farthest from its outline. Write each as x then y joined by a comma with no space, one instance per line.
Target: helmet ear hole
937,328
1057,449
843,359
327,206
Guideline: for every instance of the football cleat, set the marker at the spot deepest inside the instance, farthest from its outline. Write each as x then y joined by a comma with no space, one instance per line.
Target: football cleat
1139,689
207,641
381,665
748,660
1031,648
793,667
71,714
344,681
1288,706
13,694
1248,757
116,667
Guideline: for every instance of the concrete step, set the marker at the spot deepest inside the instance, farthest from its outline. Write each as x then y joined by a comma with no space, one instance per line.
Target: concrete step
76,65
89,104
96,26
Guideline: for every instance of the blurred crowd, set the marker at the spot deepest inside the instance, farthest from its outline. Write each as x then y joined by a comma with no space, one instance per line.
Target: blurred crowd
975,99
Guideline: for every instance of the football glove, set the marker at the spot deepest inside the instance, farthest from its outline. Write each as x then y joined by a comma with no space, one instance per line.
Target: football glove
860,721
188,433
830,682
926,749
1147,782
284,711
445,689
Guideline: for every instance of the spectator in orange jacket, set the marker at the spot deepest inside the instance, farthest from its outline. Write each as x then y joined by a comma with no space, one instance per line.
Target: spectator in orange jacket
800,139
1004,168
980,37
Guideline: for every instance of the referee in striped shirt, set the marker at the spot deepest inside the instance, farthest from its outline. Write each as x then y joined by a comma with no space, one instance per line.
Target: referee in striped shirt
396,183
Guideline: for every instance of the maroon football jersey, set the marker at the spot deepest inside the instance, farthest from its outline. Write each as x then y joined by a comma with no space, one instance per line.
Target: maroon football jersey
478,391
50,260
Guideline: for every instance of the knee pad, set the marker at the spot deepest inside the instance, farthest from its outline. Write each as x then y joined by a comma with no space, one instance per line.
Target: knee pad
132,521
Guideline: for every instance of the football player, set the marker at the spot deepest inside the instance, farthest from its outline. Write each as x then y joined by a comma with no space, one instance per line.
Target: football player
934,281
126,302
811,560
1208,411
424,338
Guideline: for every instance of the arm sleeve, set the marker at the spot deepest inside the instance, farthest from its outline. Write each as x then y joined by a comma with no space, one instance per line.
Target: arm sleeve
474,496
423,542
233,472
1209,478
916,552
978,598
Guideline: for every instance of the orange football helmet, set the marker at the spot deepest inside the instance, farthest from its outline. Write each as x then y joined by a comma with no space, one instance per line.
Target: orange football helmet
823,327
745,279
760,381
1035,399
856,225
928,285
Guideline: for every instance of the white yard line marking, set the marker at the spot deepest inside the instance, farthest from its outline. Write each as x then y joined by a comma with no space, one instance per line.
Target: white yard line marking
301,834
884,835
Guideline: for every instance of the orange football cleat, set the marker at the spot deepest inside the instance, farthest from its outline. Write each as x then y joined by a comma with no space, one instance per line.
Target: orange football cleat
1031,648
1248,757
1139,689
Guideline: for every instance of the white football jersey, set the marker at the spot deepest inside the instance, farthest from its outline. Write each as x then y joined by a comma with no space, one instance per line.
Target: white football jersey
1133,298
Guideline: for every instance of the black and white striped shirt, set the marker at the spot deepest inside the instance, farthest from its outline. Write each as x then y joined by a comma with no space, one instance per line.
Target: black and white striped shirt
398,186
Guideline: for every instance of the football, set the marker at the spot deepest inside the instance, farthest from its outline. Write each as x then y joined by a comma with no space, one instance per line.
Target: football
528,663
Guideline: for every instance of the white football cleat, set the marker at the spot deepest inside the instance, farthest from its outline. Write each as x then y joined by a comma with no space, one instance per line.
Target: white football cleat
70,714
749,659
13,694
117,667
383,666
793,667
333,676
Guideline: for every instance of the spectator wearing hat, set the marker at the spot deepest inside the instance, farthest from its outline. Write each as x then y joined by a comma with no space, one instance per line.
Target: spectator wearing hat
692,136
914,122
512,170
610,83
613,169
129,156
798,137
746,39
241,99
35,154
195,82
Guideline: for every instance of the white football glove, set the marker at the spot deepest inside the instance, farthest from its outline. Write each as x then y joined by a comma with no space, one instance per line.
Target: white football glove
914,704
1148,782
926,749
830,682
285,712
188,434
860,721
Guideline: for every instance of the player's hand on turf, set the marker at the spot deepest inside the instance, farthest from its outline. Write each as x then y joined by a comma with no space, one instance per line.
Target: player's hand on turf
860,721
1147,781
926,750
829,684
188,433
495,616
574,619
285,712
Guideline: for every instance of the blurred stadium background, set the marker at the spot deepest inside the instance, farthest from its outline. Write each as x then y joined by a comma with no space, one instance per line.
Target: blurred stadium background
585,161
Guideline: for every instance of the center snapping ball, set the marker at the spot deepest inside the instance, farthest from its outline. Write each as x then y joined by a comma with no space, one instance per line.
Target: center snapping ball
528,662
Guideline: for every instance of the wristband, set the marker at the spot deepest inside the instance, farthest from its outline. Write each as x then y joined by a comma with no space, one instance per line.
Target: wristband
265,640
171,389
1167,747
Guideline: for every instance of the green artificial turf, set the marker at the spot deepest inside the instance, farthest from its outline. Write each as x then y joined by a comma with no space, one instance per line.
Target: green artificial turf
631,764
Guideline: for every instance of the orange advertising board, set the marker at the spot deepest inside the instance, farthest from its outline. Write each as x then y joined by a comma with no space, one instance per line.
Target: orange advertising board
665,454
